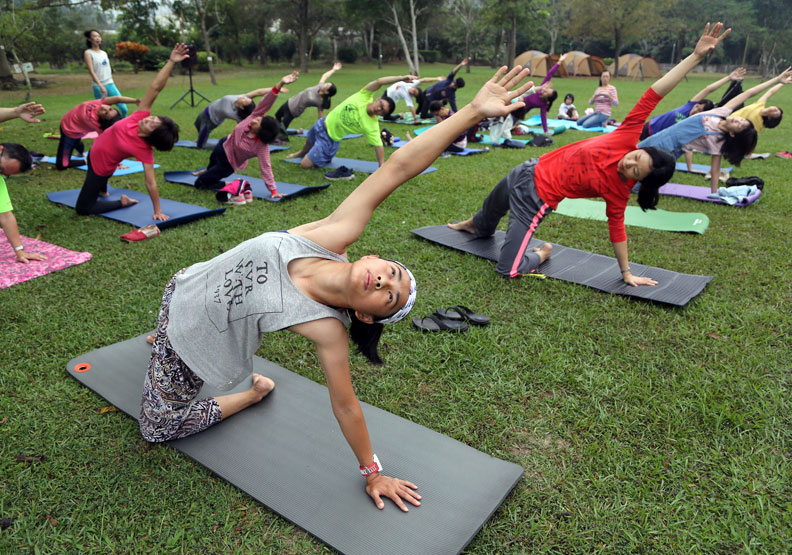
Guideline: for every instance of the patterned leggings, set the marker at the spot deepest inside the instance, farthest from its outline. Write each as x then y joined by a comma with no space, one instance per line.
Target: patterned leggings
168,409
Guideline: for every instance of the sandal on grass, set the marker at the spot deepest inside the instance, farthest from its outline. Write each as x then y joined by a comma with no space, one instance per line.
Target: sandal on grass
460,312
141,234
434,322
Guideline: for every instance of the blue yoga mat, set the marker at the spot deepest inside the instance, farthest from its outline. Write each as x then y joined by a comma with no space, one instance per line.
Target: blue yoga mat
398,143
293,133
259,187
682,167
364,166
52,160
132,166
536,119
485,140
139,215
211,143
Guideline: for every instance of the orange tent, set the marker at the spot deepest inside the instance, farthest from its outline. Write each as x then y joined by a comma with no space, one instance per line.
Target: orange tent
637,66
581,64
538,62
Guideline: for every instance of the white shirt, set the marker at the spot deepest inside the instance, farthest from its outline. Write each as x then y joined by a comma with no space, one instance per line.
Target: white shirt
401,91
101,66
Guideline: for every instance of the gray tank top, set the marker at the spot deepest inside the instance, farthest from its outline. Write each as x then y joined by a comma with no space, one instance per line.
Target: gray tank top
221,308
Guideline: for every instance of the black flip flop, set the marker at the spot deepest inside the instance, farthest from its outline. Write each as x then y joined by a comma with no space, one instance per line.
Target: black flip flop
435,322
460,312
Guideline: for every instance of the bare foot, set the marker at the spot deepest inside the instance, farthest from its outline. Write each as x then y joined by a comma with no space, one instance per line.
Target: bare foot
467,225
409,138
544,251
261,386
150,339
199,172
126,201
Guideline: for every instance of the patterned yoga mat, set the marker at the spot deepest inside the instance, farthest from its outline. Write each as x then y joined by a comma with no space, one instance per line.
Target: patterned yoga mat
58,258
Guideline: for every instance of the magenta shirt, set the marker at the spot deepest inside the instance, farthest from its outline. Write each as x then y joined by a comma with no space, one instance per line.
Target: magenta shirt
239,148
120,141
82,119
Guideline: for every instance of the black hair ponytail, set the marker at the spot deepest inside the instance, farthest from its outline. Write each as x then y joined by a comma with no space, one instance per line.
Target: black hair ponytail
366,337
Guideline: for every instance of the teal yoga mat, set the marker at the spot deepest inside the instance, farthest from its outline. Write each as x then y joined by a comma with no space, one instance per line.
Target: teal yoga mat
691,222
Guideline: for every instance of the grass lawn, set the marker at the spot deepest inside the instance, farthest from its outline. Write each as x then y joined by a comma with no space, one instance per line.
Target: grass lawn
641,428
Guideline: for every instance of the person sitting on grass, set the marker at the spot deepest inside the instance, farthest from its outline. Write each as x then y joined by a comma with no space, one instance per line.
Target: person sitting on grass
213,316
699,103
606,166
445,90
93,116
14,159
567,109
235,107
717,132
545,95
356,114
317,96
136,135
406,91
250,139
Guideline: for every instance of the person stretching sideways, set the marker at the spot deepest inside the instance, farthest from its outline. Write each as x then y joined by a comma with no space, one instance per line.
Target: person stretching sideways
235,107
356,114
250,138
214,314
14,159
135,136
317,96
606,166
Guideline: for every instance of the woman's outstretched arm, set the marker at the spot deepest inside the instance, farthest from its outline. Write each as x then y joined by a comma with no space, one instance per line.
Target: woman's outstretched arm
706,44
347,222
784,78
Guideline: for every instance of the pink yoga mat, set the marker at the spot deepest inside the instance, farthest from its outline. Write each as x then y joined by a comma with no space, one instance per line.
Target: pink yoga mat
58,258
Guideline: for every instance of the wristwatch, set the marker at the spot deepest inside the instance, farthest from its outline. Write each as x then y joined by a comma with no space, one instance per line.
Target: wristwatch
371,468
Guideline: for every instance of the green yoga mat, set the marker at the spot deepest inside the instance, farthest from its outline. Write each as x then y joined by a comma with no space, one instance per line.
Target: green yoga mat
691,222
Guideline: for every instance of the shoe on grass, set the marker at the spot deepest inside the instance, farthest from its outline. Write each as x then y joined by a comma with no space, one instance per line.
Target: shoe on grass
340,173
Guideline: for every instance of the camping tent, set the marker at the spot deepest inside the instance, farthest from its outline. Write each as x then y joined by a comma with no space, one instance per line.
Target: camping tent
581,64
537,62
636,66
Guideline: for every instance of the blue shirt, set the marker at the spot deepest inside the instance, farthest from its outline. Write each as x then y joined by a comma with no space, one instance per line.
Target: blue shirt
663,121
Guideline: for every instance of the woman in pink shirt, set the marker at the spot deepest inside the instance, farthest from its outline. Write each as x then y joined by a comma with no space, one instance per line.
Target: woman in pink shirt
604,98
135,136
93,116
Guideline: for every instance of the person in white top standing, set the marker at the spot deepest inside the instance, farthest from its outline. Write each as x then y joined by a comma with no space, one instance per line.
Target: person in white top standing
99,67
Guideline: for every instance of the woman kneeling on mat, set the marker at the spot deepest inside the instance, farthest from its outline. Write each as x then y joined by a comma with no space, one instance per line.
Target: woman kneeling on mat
91,116
214,313
606,166
134,136
715,132
250,138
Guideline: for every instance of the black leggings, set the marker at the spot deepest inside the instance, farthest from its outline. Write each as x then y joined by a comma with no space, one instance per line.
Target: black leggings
88,201
65,146
284,115
219,168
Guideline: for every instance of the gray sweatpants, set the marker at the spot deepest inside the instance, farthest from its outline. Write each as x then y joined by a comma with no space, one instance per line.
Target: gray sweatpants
516,194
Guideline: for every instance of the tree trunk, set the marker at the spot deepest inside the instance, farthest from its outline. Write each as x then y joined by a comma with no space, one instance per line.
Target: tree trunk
379,55
302,36
7,80
415,38
371,41
24,73
553,38
617,41
202,14
512,41
745,51
496,50
467,46
261,45
680,44
335,47
403,41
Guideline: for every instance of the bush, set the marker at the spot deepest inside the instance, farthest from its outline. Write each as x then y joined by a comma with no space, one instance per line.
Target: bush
429,56
203,62
132,52
122,66
281,46
347,55
607,61
157,57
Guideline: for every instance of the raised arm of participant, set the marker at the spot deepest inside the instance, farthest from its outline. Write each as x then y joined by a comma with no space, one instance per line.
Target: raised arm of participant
553,69
327,74
429,79
178,54
735,75
706,44
26,112
347,222
374,85
9,224
121,99
459,66
782,79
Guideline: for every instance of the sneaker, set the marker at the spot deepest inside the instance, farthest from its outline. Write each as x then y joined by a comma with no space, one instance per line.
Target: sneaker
340,173
247,192
445,154
785,154
236,200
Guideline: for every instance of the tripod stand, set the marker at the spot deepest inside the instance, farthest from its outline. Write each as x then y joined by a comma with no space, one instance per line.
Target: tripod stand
191,92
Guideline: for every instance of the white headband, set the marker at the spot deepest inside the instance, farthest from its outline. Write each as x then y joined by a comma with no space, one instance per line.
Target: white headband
404,310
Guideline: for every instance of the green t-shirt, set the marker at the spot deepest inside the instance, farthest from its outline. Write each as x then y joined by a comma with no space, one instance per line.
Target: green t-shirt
5,200
350,117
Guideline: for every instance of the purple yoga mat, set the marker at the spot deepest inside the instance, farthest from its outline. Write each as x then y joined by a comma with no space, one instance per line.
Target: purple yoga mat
700,193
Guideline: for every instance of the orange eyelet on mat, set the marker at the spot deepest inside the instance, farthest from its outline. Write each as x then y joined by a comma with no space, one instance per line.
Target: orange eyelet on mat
82,367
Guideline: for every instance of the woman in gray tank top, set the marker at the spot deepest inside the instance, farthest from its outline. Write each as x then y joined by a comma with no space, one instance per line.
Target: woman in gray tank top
214,313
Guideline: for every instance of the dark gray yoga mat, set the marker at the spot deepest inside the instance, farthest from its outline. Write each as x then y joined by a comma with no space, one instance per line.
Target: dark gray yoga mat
581,267
257,184
288,453
365,166
211,143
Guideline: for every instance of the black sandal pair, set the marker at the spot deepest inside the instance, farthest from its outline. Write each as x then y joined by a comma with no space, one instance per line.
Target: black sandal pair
455,318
